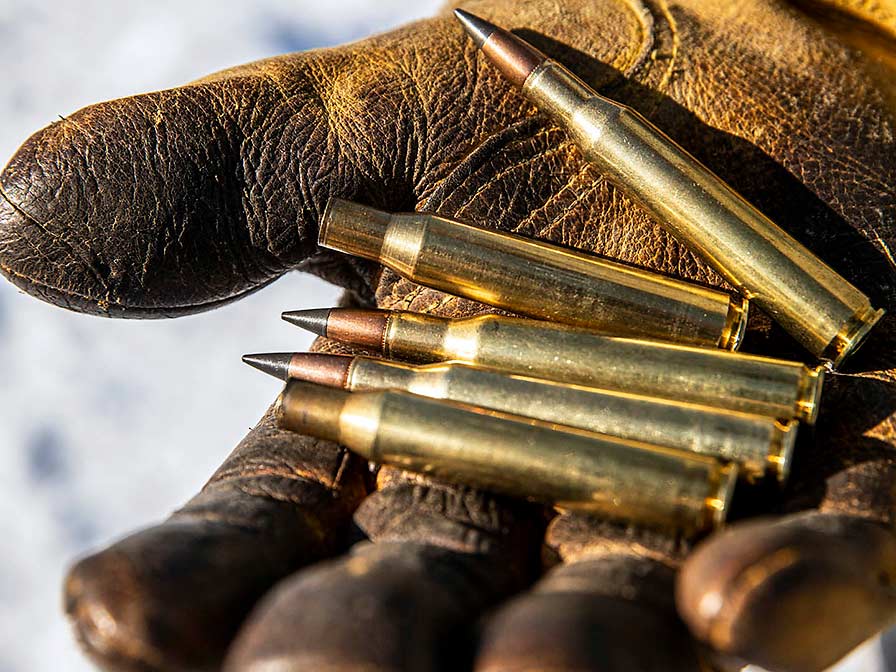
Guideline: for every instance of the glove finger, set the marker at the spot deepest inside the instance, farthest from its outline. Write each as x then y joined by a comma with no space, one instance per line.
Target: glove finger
592,615
608,607
176,201
440,555
171,597
794,595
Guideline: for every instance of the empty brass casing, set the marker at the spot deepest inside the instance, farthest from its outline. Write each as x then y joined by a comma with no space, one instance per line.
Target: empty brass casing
517,456
813,303
746,383
535,278
758,444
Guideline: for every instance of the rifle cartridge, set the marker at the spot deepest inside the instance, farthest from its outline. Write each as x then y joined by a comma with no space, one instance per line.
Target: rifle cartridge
710,377
517,456
758,444
535,278
819,308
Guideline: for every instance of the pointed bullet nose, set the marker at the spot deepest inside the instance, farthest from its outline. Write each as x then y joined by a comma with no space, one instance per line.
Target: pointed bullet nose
273,363
478,29
314,320
513,56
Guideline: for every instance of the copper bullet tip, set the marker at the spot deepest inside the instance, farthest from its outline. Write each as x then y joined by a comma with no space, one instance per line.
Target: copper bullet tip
358,326
273,363
314,320
321,368
313,367
513,56
478,29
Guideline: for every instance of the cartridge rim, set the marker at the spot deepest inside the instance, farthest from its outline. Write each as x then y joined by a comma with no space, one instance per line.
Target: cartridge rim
780,456
809,399
735,324
719,502
852,335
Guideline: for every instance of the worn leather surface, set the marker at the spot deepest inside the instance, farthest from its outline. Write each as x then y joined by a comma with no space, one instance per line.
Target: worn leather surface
177,201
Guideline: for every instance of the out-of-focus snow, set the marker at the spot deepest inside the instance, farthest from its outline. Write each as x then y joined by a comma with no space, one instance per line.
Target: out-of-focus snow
107,425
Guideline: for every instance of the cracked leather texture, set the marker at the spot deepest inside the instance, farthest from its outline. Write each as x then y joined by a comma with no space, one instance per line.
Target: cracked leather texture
177,201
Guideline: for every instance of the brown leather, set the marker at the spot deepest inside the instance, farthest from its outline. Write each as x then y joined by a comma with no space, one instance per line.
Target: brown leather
612,613
177,201
789,587
177,592
880,14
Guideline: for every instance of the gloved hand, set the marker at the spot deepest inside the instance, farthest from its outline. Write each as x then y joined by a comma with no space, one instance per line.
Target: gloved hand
178,201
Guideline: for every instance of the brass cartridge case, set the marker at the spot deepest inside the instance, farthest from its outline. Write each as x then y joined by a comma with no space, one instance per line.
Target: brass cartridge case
535,278
758,444
517,456
710,377
818,307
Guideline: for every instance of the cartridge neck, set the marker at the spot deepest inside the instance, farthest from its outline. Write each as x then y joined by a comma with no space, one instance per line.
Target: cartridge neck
353,228
349,418
415,336
392,240
376,374
426,338
311,409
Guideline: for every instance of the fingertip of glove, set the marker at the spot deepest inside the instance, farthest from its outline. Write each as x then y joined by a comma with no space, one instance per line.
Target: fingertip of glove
26,245
156,599
591,614
105,605
46,249
794,594
116,212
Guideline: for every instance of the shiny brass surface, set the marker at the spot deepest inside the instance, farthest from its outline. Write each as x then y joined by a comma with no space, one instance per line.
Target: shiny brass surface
535,278
517,456
759,444
745,383
818,307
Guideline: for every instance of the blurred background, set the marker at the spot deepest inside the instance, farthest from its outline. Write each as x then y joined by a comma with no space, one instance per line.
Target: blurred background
91,448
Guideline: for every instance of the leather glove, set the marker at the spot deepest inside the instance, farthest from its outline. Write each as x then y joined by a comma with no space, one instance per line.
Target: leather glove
292,556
